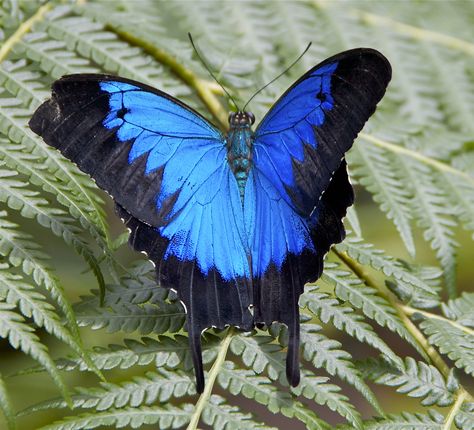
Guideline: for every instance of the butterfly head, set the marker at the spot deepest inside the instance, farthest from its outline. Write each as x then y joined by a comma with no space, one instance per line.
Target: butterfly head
241,119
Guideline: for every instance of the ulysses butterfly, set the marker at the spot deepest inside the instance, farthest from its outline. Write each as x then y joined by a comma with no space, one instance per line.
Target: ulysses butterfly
236,221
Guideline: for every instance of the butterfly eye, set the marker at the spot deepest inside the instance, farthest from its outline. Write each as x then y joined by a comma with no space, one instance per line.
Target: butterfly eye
251,117
231,117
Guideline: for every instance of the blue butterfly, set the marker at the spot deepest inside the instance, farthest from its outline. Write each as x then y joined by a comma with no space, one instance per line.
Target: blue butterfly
236,221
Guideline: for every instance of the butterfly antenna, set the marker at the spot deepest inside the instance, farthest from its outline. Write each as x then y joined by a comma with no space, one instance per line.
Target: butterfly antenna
281,74
209,70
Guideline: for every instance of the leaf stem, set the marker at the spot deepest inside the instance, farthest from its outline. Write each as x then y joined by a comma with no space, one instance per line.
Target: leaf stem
411,311
403,312
416,33
386,294
211,379
205,90
454,410
438,165
411,31
22,30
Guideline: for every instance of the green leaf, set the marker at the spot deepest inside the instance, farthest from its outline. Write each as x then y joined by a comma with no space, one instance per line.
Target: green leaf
316,388
454,340
161,386
22,251
165,416
386,188
222,416
343,318
6,406
21,336
366,254
352,290
326,354
259,353
17,195
416,379
464,419
261,389
460,309
407,421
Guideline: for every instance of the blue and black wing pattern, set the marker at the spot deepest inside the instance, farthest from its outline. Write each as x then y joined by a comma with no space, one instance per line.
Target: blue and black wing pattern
124,134
225,245
166,168
298,170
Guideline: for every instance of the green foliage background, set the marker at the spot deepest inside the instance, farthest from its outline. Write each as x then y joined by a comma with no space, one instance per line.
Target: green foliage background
397,317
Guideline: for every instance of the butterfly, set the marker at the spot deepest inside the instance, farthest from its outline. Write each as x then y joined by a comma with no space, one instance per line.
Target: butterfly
236,221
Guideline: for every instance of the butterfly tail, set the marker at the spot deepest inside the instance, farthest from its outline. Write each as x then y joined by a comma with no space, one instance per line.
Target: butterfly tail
292,357
196,351
293,322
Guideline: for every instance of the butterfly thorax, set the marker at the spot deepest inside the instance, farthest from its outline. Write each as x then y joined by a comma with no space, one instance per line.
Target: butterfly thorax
239,146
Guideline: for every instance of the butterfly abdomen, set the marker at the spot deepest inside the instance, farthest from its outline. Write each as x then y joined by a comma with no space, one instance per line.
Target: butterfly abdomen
239,154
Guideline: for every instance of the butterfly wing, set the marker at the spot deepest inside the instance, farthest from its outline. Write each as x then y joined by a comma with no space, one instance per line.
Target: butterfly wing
299,180
167,170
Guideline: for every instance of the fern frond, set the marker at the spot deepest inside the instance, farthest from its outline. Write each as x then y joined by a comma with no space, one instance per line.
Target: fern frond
21,336
20,159
150,30
458,104
165,416
32,304
259,388
460,309
261,354
222,416
434,217
416,297
464,419
13,123
162,351
52,56
416,379
317,388
385,186
6,406
452,339
22,251
343,318
153,387
326,354
145,319
137,286
257,352
351,289
158,386
23,82
17,195
367,254
461,196
91,40
433,420
412,81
